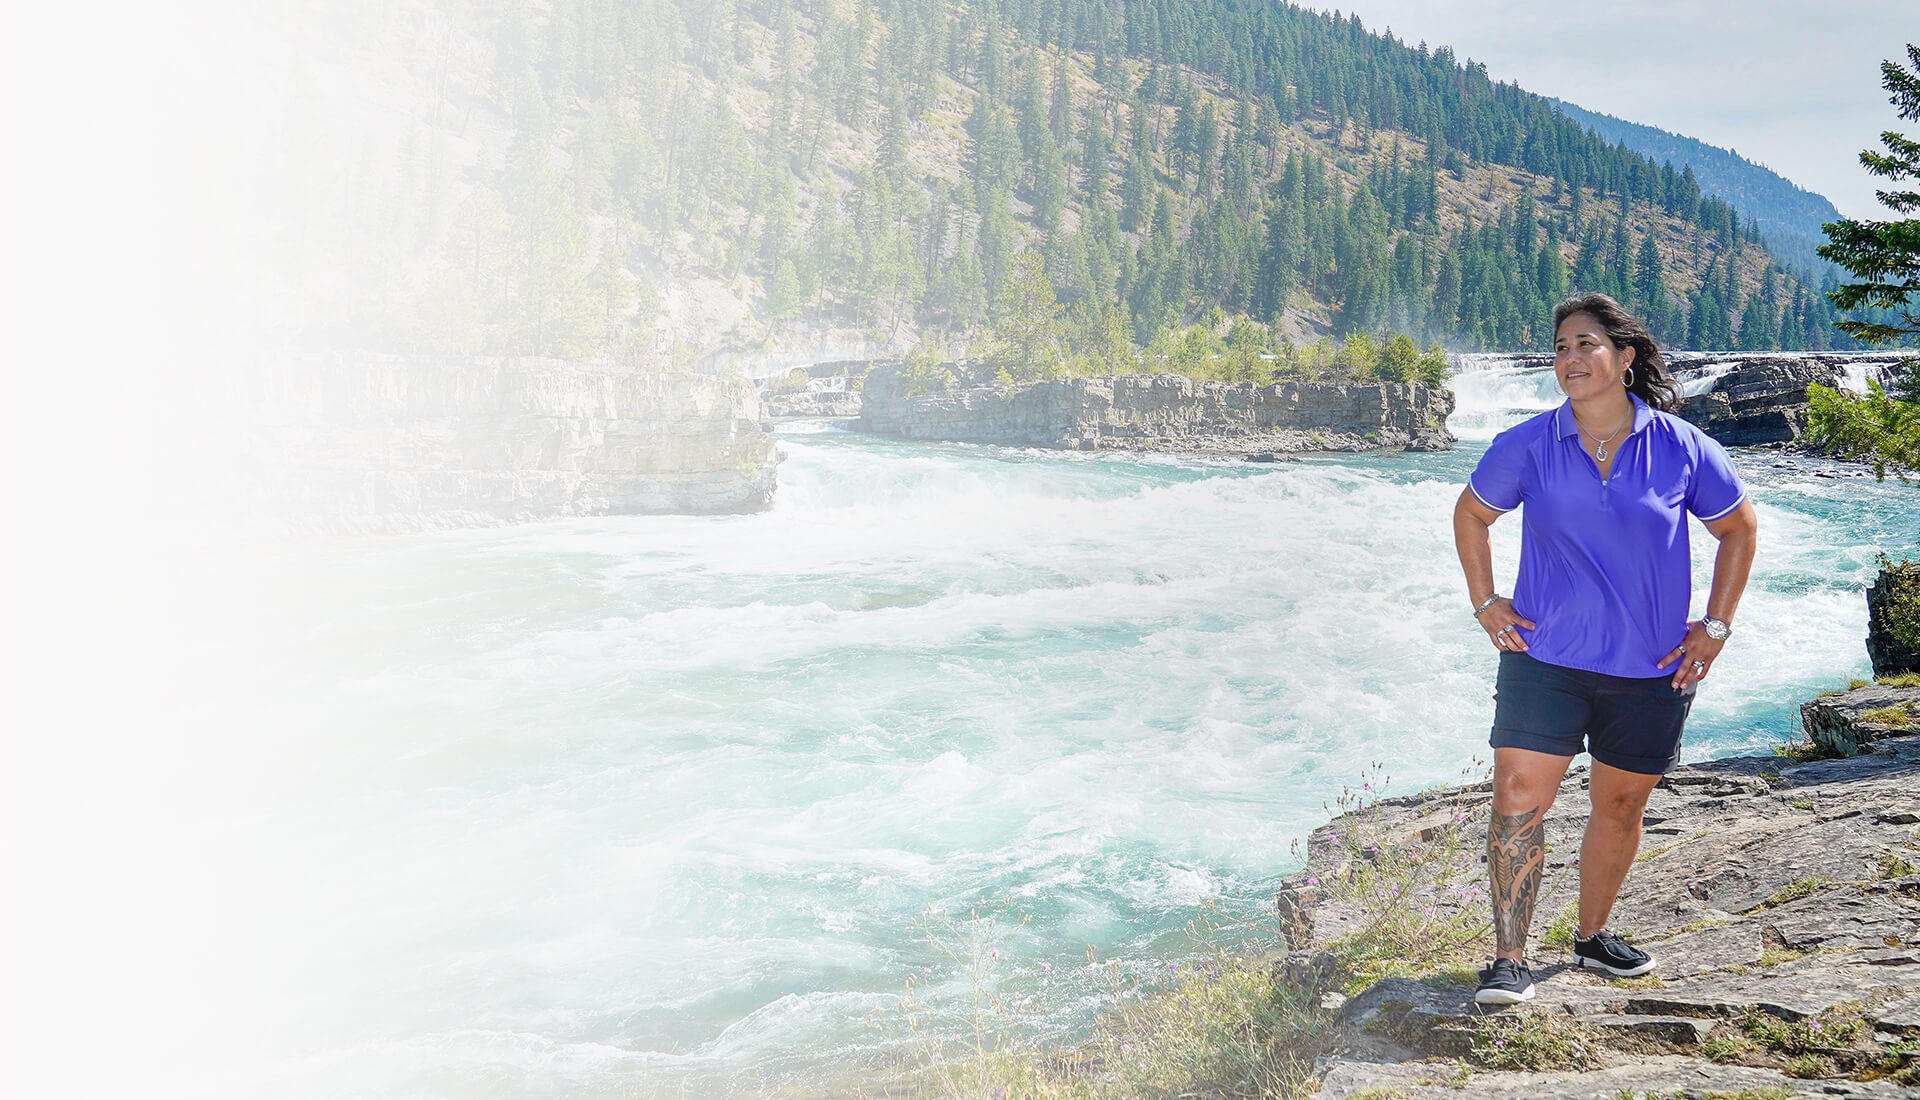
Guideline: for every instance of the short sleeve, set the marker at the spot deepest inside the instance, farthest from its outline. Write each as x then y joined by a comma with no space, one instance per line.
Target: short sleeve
1715,489
1496,481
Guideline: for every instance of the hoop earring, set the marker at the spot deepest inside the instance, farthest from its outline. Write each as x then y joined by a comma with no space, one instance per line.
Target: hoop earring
1627,379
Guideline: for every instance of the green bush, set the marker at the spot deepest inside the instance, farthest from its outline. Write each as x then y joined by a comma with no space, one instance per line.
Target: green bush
1900,614
1879,429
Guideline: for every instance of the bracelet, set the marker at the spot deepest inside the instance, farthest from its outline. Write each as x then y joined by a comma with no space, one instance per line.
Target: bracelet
1484,606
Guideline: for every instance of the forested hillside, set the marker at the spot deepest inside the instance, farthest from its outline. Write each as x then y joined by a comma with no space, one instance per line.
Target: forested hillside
1788,215
658,180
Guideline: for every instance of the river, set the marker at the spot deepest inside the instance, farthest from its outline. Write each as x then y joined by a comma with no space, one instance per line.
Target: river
667,805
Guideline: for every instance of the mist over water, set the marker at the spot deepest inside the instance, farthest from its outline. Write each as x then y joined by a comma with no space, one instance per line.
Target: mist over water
656,805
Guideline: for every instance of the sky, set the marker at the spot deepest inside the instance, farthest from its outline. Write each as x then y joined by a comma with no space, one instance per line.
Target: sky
1790,84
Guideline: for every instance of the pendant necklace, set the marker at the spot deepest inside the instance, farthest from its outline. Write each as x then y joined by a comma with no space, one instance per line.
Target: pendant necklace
1600,451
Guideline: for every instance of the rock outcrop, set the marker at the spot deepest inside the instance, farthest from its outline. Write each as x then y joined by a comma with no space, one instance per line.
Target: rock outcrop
1161,411
1781,899
1762,400
363,442
1847,723
1893,595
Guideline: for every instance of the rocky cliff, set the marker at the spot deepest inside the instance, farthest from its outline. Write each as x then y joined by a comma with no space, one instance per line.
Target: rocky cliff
1160,411
1763,400
363,442
1781,896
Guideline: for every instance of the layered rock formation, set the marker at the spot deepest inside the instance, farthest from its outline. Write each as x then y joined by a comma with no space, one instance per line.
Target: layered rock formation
1762,401
1781,899
1162,411
363,442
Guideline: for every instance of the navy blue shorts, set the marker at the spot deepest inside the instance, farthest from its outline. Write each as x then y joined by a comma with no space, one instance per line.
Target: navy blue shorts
1626,722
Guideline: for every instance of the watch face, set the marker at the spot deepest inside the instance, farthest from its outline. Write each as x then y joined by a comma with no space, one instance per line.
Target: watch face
1716,629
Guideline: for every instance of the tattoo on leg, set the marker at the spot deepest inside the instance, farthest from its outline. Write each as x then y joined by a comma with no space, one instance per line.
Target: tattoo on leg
1516,852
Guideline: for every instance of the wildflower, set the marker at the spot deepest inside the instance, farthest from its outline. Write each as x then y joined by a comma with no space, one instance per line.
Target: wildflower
1499,1042
1394,889
1046,966
1313,882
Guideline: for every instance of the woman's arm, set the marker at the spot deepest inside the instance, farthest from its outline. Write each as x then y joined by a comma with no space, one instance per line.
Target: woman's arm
1470,522
1738,532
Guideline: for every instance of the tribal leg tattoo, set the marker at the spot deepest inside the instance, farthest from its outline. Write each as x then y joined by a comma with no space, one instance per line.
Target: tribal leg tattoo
1516,852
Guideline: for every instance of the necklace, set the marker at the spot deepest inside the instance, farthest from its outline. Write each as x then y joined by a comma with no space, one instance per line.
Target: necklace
1600,451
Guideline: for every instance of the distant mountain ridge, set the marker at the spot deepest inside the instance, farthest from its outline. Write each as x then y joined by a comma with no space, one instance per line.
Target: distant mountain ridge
1790,216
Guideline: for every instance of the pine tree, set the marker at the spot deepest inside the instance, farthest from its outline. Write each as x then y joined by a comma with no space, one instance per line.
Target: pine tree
1136,189
1028,331
1884,256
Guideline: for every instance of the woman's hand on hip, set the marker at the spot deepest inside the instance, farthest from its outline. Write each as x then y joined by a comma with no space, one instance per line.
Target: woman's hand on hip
1503,626
1696,656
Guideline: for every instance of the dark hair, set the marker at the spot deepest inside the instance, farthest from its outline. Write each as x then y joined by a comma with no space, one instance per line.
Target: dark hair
1651,382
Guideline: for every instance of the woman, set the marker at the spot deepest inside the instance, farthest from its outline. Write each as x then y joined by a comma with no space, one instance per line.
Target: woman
1596,648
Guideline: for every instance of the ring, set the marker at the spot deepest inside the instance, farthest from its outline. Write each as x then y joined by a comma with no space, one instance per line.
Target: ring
1504,629
1699,664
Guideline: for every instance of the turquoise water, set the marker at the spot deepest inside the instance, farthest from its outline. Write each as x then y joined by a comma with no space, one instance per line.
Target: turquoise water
663,805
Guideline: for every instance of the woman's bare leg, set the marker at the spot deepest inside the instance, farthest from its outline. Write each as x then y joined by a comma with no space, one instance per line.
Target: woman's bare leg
1524,783
1612,840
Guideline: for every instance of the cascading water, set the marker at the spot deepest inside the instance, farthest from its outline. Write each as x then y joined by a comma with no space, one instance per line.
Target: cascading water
668,805
1494,392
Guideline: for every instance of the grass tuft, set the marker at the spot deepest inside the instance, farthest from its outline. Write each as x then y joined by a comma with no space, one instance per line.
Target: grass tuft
1565,926
1802,752
1800,888
1722,1049
1535,1041
1894,680
1899,716
1223,1022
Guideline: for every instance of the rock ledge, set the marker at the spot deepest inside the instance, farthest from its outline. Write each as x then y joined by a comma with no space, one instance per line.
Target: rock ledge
1781,899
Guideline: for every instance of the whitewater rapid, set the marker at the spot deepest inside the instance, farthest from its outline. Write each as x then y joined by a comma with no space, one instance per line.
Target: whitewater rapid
665,805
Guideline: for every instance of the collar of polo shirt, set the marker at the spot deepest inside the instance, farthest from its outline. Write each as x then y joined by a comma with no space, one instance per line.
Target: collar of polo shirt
1565,425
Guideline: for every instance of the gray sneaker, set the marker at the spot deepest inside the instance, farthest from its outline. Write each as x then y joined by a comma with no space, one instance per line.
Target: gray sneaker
1606,951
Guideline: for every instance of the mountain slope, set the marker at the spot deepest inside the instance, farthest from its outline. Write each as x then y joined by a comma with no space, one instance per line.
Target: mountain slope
1789,216
668,180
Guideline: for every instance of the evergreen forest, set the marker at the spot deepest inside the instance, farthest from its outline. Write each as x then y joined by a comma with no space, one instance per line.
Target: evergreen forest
1102,176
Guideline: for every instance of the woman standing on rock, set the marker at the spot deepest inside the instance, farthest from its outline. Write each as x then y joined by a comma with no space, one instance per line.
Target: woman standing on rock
1596,649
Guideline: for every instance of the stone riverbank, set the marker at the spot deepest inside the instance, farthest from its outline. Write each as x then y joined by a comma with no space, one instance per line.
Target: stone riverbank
1162,412
378,443
1781,896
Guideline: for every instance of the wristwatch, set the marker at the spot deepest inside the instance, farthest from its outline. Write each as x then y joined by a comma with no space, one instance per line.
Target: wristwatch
1716,629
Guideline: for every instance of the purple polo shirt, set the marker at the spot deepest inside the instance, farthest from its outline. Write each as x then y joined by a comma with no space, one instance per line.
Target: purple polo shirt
1605,570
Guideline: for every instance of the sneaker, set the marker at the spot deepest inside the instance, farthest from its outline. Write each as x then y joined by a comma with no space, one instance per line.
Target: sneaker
1505,983
1606,951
